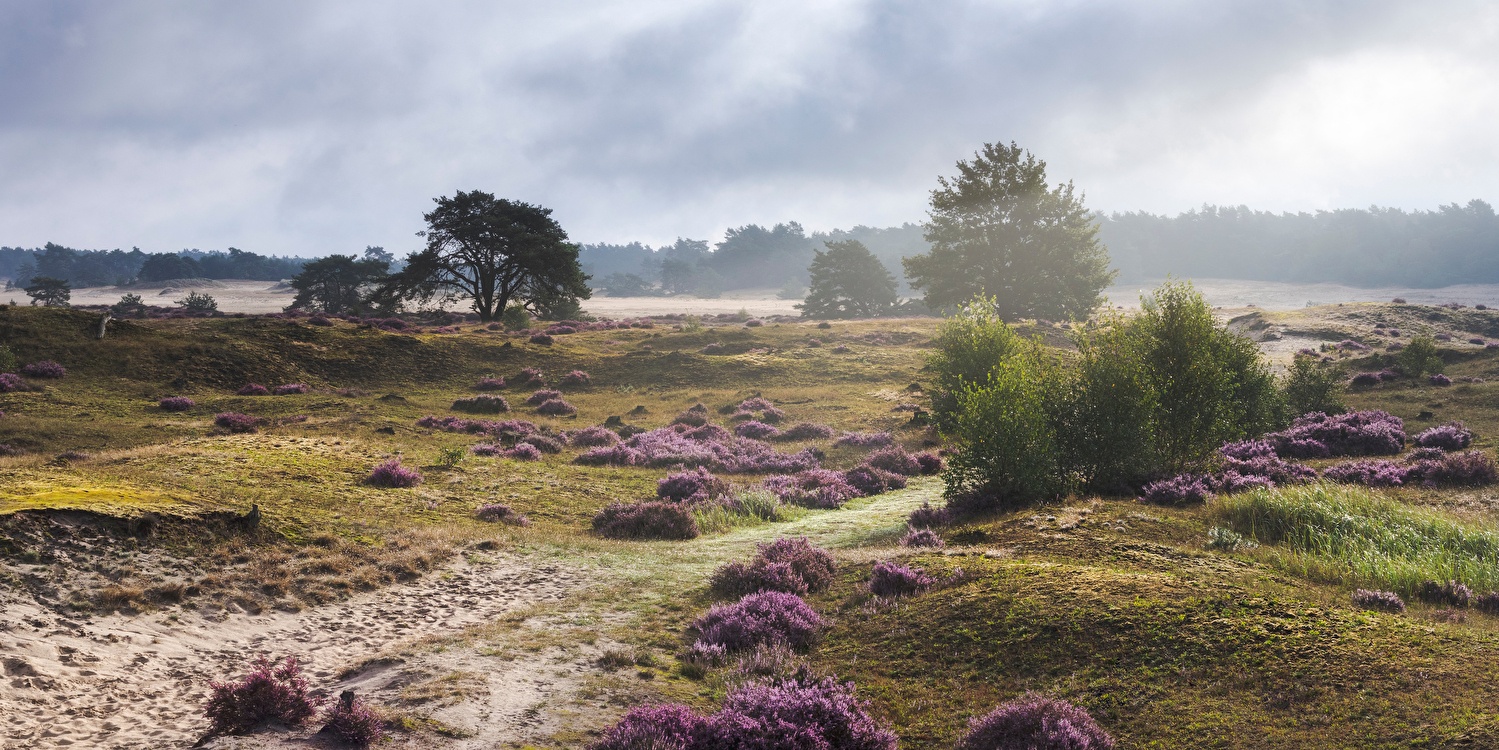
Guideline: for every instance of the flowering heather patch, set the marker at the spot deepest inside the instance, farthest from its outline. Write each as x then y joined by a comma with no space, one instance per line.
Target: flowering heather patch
543,443
271,691
542,396
1365,379
1035,722
501,513
612,455
253,389
592,437
807,431
1451,593
922,538
557,408
1438,379
235,422
865,439
760,619
893,579
755,403
869,480
531,377
692,486
791,565
813,488
1487,603
561,330
801,713
392,474
1468,469
647,520
1248,450
896,460
1178,490
667,447
1425,454
1232,481
11,382
1452,436
44,369
175,403
927,517
1359,433
351,722
1369,472
707,432
524,452
756,430
1384,601
713,348
488,450
483,403
670,726
1257,458
291,389
929,463
506,428
318,320
490,384
545,339
576,379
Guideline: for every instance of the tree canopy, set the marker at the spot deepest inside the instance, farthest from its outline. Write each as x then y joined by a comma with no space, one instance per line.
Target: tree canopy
49,291
998,231
848,282
337,283
491,251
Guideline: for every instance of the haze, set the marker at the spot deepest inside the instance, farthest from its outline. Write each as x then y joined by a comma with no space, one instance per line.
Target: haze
305,128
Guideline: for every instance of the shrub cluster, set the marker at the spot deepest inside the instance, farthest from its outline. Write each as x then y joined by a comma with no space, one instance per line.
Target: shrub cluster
1183,489
891,579
869,480
764,618
175,403
1469,468
556,408
253,389
272,691
927,517
353,723
1360,433
531,377
490,384
544,442
542,396
758,408
235,422
541,338
922,538
1438,379
501,513
576,379
1385,601
291,389
813,488
1035,722
592,437
756,430
45,369
692,486
512,428
524,451
392,474
483,403
647,520
1452,436
788,565
1449,594
11,382
713,449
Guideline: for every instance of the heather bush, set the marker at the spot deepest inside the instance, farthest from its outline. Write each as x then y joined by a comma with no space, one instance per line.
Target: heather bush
7,450
175,403
542,396
44,369
575,379
790,565
1384,601
291,389
1449,594
667,447
647,520
865,440
500,513
272,691
523,452
1368,472
1487,603
1466,469
927,517
507,428
1179,490
896,460
1365,379
592,437
556,408
487,450
890,579
760,619
1438,379
1452,436
542,338
235,422
800,713
392,474
694,485
351,722
490,384
483,403
531,377
1360,433
668,726
869,480
922,538
11,382
756,430
1035,722
253,389
814,488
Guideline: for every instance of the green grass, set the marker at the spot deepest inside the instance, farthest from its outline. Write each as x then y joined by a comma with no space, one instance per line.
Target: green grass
1355,536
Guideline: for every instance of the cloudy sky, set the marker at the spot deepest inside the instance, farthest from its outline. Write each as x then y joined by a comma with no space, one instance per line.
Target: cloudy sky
306,127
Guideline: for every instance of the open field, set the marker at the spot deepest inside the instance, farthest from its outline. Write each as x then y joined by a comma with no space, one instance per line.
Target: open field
131,573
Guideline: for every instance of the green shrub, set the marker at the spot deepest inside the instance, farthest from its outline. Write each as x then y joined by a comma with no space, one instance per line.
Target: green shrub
515,318
198,303
969,346
1419,357
1007,444
8,361
1106,425
1313,385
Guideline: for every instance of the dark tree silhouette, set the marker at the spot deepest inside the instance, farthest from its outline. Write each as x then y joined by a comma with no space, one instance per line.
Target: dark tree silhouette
48,291
998,231
848,282
338,283
491,251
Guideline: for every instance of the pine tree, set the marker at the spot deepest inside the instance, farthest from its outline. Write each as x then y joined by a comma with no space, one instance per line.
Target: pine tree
848,282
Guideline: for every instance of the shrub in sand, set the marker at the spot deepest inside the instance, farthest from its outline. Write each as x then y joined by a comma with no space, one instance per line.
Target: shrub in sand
483,403
235,422
392,474
696,485
291,389
761,619
270,692
175,403
351,722
790,565
542,396
647,520
893,579
557,408
253,389
46,369
1034,722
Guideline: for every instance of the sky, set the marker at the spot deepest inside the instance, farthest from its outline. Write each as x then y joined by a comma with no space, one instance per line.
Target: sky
306,127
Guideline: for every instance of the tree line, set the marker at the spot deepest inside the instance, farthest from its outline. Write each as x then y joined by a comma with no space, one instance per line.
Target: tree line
84,268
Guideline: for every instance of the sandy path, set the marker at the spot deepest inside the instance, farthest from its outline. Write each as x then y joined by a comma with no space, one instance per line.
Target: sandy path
140,682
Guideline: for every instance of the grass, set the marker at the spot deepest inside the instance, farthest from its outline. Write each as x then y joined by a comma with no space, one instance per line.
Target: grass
1357,537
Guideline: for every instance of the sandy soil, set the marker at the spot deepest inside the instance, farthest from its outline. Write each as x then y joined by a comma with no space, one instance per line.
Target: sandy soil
139,682
1271,295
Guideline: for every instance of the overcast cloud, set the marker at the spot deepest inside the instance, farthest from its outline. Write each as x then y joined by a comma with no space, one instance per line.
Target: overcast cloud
308,127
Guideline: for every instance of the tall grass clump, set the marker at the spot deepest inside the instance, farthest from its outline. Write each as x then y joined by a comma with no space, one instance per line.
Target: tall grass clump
1353,536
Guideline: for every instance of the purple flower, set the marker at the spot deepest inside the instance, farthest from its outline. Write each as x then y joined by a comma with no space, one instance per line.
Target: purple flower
893,579
800,713
576,379
813,488
1451,593
487,450
490,384
11,382
695,485
592,437
290,389
807,431
235,422
1387,601
896,460
272,690
1369,472
648,520
1469,469
1360,433
483,403
922,538
789,565
1034,722
523,452
392,474
1452,436
556,408
542,396
667,447
756,430
760,619
669,726
44,369
175,403
353,723
497,512
1438,379
542,338
1178,490
927,517
253,389
869,480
